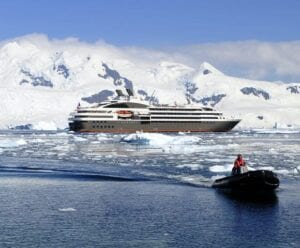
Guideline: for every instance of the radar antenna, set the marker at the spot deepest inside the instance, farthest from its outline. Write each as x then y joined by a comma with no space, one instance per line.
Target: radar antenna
151,99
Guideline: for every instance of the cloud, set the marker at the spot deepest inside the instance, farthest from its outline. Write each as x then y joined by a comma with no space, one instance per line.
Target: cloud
273,61
250,59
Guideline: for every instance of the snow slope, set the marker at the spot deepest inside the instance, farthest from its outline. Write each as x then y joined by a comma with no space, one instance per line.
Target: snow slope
42,81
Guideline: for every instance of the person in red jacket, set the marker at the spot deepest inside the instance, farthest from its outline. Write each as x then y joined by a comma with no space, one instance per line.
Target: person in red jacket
239,165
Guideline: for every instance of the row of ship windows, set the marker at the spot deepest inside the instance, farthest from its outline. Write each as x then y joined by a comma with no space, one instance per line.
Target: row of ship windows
177,109
194,122
147,122
98,116
91,111
159,113
170,113
182,117
166,117
104,126
142,106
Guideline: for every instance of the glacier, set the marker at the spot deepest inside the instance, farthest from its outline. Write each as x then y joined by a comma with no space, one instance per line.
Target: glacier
43,80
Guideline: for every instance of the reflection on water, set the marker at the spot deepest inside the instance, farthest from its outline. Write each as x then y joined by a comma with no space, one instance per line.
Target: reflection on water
255,199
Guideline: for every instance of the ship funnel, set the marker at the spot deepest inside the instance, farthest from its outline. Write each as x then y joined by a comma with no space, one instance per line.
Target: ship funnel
120,93
129,92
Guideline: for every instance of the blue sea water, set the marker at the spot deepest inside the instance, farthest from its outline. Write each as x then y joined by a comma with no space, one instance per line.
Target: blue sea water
61,189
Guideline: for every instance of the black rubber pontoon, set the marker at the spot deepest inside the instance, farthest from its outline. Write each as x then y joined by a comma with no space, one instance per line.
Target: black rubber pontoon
251,181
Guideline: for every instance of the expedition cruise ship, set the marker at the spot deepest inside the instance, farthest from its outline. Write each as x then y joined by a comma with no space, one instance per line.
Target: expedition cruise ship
128,114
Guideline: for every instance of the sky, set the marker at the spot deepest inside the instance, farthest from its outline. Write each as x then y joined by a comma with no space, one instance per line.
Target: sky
188,26
153,23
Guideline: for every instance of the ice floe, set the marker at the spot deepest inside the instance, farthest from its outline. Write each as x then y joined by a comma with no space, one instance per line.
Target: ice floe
42,125
67,209
283,171
80,139
221,168
157,139
191,166
276,131
271,168
12,143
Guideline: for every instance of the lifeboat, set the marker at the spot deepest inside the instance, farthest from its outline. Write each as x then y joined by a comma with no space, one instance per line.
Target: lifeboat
125,113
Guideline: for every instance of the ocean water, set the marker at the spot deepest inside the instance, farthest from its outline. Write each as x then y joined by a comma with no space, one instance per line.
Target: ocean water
61,189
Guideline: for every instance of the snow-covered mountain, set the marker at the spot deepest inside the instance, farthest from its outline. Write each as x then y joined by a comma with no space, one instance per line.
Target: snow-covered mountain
42,81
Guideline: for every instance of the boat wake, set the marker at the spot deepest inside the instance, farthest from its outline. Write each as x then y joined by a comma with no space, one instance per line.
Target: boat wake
23,171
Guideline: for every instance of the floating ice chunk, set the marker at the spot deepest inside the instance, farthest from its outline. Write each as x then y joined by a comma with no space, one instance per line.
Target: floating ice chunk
282,171
38,140
80,139
213,160
191,166
42,125
134,138
270,168
12,143
273,151
183,133
276,131
95,142
67,209
157,139
21,142
184,140
103,137
181,149
61,134
221,168
218,147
